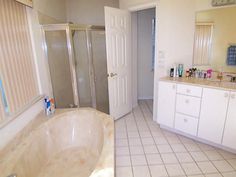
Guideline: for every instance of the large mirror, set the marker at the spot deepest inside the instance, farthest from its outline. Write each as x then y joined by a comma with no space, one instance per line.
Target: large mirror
215,40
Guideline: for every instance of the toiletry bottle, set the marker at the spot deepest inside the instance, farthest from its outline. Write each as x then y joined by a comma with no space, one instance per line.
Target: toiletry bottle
175,68
209,73
47,106
171,72
180,70
187,73
177,71
52,103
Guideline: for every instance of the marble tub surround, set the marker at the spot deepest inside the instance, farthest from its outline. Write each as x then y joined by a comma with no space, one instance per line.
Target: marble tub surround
212,83
78,142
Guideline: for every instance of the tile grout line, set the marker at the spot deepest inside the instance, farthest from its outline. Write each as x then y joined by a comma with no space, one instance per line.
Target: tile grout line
164,164
200,161
129,146
156,147
144,111
173,152
141,140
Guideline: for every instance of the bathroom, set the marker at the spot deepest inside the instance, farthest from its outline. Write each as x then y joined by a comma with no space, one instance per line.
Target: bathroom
145,144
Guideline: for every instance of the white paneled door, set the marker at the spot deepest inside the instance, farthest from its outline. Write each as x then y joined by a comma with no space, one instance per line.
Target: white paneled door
118,46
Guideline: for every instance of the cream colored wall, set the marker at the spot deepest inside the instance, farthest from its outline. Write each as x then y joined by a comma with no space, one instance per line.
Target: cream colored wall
175,31
125,4
53,8
88,12
203,4
224,20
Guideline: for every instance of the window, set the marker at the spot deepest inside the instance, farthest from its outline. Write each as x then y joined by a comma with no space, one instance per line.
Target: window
18,83
203,43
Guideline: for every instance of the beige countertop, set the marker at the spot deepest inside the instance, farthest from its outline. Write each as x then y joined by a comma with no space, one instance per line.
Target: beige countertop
209,83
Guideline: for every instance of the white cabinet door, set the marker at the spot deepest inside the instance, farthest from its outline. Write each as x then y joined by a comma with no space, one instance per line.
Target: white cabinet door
166,104
213,114
229,138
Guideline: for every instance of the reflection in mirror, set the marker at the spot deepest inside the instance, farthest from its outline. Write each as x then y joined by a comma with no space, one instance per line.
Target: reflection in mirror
215,40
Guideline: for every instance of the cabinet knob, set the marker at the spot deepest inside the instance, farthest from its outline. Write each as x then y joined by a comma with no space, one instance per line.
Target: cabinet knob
185,120
233,96
186,101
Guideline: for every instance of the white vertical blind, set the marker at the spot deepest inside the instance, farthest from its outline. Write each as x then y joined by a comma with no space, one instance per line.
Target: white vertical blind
203,43
17,69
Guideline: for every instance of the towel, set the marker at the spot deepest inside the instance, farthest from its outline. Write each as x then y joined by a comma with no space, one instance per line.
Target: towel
231,56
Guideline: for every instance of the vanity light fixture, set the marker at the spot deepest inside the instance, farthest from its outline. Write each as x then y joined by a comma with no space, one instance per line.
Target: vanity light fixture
215,3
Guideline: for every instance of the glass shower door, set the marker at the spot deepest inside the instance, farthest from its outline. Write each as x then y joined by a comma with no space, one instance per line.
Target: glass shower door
82,68
100,70
58,60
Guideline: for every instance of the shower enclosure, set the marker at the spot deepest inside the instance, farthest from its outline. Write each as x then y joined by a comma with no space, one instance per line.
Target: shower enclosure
77,64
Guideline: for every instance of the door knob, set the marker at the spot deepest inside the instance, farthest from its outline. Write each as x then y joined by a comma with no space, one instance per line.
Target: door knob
113,74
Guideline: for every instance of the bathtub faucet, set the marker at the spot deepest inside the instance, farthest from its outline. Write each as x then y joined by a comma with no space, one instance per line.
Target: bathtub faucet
12,175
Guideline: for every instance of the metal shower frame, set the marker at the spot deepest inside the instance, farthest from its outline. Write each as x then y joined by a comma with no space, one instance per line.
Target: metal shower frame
68,28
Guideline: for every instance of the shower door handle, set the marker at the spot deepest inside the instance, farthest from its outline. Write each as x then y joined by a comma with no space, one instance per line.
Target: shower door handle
113,74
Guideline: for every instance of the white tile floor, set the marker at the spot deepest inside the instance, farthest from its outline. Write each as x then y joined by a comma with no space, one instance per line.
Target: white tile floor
145,150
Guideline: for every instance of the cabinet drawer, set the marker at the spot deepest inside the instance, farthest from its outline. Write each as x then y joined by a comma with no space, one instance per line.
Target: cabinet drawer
186,124
189,90
188,105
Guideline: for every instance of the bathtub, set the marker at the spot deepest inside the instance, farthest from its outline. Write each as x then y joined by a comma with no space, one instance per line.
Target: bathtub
78,143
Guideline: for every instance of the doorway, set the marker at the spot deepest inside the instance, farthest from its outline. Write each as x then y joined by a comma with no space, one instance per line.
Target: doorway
143,41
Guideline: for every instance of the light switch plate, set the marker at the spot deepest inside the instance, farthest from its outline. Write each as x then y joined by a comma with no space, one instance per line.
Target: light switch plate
223,2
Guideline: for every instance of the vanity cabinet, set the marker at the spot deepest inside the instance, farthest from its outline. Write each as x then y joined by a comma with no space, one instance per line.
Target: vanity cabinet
230,125
213,114
202,112
166,104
